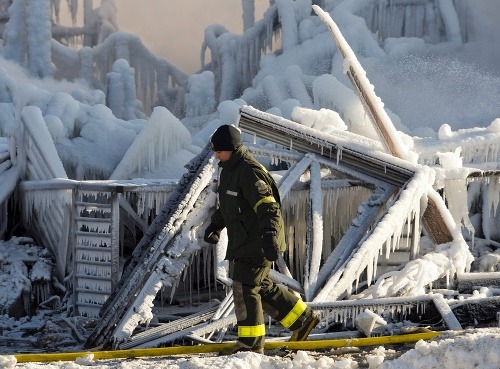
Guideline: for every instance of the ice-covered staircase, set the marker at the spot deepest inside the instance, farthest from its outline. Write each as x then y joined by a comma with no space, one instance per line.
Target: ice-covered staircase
96,252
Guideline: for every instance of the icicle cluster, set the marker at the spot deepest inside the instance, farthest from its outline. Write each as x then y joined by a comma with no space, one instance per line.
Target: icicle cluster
339,208
163,136
435,20
391,309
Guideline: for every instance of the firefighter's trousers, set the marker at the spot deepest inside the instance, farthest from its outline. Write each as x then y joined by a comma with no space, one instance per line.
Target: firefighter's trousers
254,292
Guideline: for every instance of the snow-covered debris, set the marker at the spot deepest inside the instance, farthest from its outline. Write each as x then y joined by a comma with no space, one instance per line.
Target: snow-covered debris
22,264
303,80
369,323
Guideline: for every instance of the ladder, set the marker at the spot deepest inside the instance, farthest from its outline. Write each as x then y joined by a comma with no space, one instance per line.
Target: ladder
96,249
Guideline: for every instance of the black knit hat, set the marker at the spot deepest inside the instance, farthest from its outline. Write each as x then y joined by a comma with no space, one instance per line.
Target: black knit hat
226,138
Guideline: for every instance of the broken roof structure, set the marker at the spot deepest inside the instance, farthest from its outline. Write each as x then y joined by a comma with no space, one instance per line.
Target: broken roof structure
386,226
397,203
355,211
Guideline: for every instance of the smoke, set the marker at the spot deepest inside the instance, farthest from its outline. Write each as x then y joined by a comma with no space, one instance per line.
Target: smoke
174,30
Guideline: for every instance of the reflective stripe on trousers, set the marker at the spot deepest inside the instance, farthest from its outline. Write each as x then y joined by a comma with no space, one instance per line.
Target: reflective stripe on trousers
252,331
294,314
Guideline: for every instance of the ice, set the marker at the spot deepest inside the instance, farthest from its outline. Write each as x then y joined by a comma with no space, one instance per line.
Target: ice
200,98
315,244
450,20
288,21
369,322
15,38
161,137
299,81
122,92
248,13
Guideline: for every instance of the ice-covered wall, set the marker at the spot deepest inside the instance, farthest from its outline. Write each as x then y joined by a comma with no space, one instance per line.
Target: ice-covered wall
157,80
432,20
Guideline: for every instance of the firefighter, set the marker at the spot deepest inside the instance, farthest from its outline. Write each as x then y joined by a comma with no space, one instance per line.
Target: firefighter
249,207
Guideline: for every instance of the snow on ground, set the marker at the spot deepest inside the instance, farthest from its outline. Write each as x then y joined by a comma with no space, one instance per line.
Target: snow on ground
454,350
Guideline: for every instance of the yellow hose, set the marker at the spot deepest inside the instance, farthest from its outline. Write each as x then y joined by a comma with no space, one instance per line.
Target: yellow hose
214,347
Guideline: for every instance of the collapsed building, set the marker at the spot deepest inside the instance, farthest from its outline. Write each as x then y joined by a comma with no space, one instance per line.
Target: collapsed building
366,229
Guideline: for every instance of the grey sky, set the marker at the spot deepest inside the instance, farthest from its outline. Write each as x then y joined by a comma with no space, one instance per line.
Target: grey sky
173,29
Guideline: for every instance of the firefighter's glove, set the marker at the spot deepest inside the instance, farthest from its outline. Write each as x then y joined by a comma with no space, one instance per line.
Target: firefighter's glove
212,234
270,245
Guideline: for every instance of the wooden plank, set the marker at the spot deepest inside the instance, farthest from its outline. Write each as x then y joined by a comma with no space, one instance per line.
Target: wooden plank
444,309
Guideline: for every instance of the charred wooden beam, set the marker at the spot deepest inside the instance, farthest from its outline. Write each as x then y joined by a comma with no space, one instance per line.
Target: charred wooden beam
292,135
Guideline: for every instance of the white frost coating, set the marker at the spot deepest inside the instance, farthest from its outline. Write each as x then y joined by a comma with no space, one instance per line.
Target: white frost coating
445,214
331,94
227,78
316,243
229,112
494,195
489,262
445,132
455,194
43,201
341,138
122,92
324,120
107,17
20,277
479,145
490,209
293,175
39,35
290,33
455,188
369,250
397,146
170,267
37,129
15,35
248,13
340,205
166,273
296,86
346,65
413,279
451,22
368,322
140,311
273,91
200,98
162,136
495,126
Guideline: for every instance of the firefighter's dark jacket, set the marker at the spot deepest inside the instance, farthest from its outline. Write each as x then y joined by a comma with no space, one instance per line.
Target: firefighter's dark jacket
249,204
